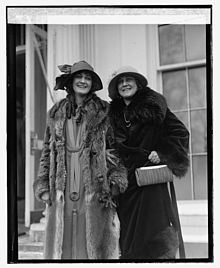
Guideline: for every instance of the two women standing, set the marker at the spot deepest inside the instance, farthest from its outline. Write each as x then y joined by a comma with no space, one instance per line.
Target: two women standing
80,176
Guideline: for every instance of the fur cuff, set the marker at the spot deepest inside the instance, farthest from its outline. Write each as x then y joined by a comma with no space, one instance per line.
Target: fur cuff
40,186
119,177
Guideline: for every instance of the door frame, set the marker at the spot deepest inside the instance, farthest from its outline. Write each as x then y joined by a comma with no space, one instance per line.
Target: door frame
29,123
32,142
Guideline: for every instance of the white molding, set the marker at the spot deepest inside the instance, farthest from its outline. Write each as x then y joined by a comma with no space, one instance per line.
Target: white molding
29,125
196,239
193,207
20,49
42,33
152,57
63,48
182,65
87,43
51,39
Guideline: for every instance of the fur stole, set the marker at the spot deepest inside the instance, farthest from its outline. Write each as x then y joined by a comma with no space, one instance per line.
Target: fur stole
147,106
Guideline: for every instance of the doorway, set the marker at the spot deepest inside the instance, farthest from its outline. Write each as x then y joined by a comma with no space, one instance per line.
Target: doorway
20,126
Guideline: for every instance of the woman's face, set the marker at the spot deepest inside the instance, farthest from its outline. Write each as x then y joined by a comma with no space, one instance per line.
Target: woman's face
127,87
82,83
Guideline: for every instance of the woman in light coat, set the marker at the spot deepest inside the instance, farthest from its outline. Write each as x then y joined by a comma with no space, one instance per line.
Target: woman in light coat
79,173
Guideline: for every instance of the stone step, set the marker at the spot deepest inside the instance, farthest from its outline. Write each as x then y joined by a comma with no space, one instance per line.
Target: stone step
28,255
195,207
34,250
28,249
190,228
36,232
30,246
194,220
25,244
195,231
195,250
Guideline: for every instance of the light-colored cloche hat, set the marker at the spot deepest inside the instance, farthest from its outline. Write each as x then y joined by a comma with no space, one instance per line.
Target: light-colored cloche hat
69,70
128,71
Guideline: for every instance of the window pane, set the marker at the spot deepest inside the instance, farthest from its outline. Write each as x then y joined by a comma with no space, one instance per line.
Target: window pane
200,176
183,117
183,187
174,89
197,87
171,44
198,131
195,37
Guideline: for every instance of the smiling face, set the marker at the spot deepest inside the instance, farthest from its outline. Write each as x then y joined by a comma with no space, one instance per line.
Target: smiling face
82,83
127,87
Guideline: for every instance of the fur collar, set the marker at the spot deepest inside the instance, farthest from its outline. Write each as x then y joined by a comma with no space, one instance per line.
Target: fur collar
97,111
95,108
147,106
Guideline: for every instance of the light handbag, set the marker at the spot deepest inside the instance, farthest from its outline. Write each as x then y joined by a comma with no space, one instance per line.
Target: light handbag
153,175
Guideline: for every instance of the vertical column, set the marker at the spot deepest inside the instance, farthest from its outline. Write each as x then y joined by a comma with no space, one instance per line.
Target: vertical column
63,48
11,146
87,43
152,57
29,126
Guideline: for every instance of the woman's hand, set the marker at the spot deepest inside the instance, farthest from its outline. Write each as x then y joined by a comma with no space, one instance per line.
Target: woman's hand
45,197
107,201
111,157
154,157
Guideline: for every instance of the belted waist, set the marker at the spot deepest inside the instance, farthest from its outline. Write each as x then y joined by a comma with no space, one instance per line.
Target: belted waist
75,150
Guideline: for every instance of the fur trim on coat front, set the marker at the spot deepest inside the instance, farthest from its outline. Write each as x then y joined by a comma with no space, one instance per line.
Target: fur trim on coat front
153,124
98,174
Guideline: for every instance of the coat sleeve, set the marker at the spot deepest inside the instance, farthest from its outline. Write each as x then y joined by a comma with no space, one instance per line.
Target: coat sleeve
41,184
174,144
117,173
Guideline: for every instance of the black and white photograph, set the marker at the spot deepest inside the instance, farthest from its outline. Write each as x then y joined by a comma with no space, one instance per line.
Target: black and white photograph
109,134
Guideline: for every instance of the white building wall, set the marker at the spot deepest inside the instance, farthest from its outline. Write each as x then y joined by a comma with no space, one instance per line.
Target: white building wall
119,45
106,47
63,48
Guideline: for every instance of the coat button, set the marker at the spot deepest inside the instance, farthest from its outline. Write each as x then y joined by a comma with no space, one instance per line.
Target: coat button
101,178
74,196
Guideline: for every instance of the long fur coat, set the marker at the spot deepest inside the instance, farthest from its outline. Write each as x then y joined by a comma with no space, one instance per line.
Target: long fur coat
98,175
148,227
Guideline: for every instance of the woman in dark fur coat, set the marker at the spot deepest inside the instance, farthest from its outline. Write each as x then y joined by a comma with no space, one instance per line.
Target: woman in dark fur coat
77,178
147,133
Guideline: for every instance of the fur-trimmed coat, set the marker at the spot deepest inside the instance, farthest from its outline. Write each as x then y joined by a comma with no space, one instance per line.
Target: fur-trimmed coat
148,227
98,175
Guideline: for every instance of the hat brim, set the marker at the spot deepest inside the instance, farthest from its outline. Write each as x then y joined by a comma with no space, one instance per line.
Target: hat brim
112,88
63,81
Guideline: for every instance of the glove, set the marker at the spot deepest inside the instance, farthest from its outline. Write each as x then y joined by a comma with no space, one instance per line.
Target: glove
154,157
107,201
111,157
45,197
114,190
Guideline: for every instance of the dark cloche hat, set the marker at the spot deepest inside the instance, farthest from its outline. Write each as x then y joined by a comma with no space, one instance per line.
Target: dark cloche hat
69,70
128,71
